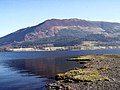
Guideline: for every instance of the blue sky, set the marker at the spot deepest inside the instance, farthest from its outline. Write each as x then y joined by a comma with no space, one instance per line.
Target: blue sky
17,14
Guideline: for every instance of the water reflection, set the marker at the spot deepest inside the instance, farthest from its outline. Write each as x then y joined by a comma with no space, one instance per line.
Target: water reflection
31,74
41,67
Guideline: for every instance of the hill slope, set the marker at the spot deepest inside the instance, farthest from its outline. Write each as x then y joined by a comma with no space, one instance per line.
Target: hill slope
63,32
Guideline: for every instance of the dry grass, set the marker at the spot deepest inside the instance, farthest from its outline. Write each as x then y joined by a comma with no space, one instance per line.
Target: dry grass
83,58
81,75
86,74
112,55
87,58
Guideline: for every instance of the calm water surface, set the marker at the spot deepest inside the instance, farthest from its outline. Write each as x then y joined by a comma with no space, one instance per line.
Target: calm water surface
33,70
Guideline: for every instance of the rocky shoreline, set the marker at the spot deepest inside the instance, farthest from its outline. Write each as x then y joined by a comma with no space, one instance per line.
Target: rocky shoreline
100,72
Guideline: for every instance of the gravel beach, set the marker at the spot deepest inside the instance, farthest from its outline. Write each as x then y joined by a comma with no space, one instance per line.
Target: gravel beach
107,65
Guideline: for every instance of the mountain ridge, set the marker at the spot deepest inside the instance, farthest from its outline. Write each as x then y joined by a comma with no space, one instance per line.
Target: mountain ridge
70,30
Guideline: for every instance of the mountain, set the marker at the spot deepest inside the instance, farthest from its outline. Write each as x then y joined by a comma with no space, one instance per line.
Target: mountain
63,32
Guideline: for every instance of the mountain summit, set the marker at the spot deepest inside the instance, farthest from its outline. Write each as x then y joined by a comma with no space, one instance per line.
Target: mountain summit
63,32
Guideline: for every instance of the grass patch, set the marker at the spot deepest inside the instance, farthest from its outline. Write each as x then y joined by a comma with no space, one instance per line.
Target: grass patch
85,74
81,75
83,58
112,55
87,58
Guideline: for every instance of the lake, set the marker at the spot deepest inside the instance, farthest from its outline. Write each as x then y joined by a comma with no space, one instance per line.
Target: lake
34,70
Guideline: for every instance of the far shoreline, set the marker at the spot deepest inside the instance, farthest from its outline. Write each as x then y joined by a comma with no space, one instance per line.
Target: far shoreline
45,50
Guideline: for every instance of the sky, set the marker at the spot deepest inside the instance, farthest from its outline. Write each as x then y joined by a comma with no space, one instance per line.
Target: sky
17,14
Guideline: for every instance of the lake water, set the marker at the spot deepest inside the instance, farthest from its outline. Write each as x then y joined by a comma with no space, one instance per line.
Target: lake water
34,70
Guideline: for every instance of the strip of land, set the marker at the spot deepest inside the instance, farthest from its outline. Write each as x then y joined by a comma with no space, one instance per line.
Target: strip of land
100,72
